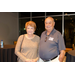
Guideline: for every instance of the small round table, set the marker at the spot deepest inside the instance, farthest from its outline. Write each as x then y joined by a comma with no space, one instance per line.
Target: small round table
7,53
70,57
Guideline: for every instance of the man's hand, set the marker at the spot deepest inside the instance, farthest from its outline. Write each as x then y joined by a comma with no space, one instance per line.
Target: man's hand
62,55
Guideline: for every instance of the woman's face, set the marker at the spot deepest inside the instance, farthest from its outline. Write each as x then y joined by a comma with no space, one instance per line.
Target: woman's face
30,30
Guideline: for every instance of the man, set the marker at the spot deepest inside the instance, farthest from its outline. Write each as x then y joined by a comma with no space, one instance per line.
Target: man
52,45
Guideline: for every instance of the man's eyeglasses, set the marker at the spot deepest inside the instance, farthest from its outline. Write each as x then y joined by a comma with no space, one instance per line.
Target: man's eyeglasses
46,38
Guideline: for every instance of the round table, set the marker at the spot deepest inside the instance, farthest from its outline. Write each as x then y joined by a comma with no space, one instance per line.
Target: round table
7,53
70,57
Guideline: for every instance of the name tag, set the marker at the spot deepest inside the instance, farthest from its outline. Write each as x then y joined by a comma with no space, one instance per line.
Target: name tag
51,38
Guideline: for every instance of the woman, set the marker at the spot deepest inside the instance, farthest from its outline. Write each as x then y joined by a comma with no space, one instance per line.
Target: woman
27,45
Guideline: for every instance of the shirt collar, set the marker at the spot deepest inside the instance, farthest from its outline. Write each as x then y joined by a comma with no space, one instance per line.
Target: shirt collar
51,31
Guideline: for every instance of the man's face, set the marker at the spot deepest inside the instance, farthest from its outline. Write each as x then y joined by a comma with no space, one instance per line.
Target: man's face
49,24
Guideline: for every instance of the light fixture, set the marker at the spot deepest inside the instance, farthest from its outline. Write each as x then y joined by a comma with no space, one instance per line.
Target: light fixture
24,29
68,15
65,13
71,18
42,20
56,19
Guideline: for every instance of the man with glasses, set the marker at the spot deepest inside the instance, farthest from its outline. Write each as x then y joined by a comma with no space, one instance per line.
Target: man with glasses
52,45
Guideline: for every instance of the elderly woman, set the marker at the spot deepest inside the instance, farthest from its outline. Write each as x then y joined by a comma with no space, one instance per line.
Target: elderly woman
27,45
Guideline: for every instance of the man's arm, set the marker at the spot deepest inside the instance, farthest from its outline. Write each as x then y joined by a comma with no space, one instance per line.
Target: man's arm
61,56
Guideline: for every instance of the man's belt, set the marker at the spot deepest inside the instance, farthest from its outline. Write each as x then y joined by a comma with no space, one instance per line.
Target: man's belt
50,59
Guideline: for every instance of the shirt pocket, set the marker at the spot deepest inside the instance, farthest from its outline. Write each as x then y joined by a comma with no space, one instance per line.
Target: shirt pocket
53,42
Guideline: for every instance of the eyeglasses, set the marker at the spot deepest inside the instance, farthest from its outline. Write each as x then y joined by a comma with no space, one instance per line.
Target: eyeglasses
46,38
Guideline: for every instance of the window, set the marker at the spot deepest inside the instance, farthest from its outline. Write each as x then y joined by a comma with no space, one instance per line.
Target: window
58,23
69,13
40,25
53,13
39,17
22,26
24,14
69,30
38,14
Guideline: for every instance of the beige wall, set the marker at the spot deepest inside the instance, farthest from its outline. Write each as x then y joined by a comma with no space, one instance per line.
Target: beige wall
9,27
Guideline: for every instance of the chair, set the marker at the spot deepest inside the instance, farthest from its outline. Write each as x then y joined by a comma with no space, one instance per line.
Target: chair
73,47
15,42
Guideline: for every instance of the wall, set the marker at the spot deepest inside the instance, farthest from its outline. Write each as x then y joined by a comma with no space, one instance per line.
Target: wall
9,27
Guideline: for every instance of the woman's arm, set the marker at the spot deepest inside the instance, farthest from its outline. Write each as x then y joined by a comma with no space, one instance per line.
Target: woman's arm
18,47
36,59
18,51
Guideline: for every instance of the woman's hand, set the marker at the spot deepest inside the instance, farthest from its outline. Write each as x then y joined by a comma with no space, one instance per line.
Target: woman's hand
31,60
28,60
35,60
